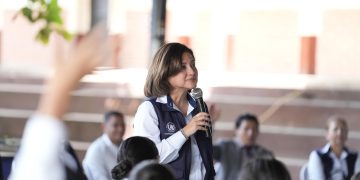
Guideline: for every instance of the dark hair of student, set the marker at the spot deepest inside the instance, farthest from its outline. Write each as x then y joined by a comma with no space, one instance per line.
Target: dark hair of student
151,170
131,152
166,63
264,169
246,117
110,114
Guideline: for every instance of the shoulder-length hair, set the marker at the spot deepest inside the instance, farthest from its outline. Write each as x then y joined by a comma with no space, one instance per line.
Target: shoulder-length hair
166,63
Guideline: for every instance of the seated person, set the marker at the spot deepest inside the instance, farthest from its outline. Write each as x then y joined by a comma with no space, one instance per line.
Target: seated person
132,151
100,157
264,169
151,170
232,154
334,161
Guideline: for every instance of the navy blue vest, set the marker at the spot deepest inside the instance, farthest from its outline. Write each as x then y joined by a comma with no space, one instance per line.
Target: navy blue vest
328,163
170,122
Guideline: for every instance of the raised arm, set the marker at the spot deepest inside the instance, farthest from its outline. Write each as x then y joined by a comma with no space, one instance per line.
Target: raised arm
85,56
45,134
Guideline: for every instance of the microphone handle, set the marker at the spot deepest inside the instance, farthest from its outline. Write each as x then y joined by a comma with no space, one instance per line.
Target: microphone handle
202,108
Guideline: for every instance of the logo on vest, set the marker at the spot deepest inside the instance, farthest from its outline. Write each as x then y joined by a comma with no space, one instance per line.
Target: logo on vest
170,127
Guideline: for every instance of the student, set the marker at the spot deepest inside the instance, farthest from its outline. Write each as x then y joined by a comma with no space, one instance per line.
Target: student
132,151
335,160
264,169
100,157
151,170
233,153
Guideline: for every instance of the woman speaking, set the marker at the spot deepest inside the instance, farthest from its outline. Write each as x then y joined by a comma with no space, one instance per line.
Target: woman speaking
170,116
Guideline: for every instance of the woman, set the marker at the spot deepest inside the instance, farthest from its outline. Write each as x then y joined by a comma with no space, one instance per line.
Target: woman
334,161
170,116
131,152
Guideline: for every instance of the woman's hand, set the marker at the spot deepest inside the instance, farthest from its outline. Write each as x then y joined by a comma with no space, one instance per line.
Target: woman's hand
198,122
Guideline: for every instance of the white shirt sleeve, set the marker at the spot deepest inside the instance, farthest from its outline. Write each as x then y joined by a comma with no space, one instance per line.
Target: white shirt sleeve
41,146
357,164
315,167
95,168
146,125
95,161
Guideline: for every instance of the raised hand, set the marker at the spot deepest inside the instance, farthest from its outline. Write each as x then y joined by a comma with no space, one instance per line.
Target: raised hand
90,52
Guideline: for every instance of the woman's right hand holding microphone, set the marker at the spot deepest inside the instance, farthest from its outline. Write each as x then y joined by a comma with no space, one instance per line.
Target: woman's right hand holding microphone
200,121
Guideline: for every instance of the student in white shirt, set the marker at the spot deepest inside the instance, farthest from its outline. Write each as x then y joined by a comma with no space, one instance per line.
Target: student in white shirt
171,117
100,157
42,144
334,161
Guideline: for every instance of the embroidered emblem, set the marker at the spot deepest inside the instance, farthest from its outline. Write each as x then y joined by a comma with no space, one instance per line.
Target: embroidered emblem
170,127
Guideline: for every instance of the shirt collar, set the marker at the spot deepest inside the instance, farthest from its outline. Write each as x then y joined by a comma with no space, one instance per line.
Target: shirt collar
107,141
171,106
327,149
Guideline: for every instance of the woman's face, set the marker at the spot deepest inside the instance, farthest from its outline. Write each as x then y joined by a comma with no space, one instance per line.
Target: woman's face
187,78
337,133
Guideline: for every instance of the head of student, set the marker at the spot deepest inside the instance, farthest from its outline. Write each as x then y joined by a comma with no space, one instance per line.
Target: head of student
131,152
264,169
337,131
114,126
173,68
247,129
151,170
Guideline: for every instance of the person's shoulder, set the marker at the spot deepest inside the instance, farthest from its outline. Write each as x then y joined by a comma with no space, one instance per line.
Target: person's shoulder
97,146
225,143
264,151
315,156
351,151
145,106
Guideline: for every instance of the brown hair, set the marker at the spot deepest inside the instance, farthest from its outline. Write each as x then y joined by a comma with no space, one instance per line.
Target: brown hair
166,63
336,119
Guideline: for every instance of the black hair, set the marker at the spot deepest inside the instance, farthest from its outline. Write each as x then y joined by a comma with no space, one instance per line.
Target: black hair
132,151
110,114
264,169
151,170
246,117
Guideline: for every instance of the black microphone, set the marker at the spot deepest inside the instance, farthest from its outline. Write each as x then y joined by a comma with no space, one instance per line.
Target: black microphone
197,94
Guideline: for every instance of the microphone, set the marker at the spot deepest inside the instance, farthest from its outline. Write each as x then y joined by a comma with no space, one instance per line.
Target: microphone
197,94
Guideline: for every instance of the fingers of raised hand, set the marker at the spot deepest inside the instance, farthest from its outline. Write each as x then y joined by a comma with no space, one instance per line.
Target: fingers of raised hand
92,49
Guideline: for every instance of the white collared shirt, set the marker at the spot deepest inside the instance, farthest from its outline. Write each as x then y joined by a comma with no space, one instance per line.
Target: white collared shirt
315,167
42,145
146,124
100,159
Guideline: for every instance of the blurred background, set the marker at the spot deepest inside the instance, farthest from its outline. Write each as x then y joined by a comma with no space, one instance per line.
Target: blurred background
293,63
